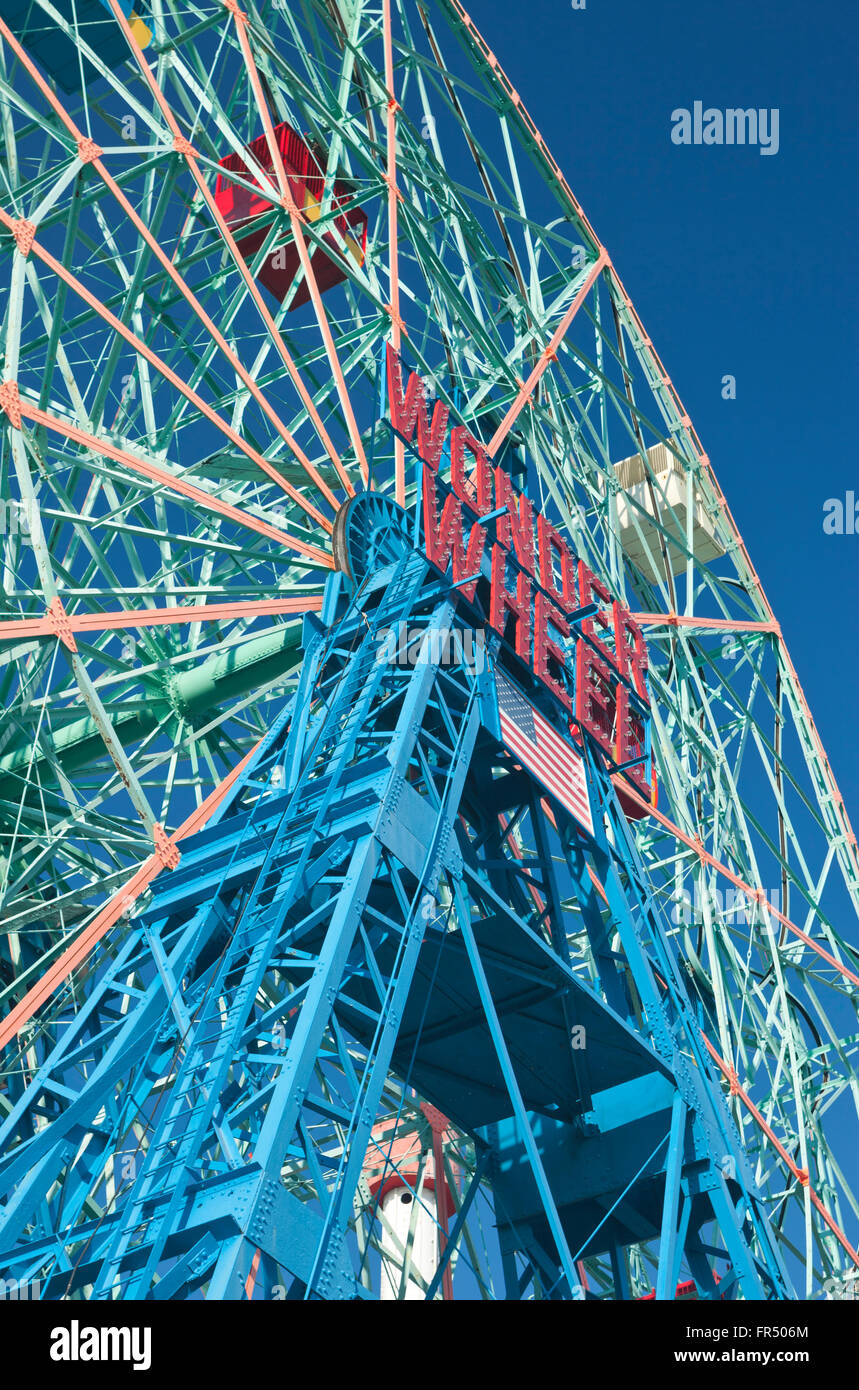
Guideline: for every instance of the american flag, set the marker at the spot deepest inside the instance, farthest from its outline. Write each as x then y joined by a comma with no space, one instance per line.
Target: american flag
539,748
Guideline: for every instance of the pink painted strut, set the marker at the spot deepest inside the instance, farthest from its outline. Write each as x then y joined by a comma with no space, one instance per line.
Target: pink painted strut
17,629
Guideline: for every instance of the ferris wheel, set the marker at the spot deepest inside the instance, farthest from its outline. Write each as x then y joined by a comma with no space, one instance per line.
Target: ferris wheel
238,243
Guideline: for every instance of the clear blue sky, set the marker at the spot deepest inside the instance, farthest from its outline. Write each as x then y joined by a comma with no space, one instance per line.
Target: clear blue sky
738,263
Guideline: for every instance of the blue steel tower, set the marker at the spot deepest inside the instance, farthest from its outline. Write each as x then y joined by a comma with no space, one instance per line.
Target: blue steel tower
358,909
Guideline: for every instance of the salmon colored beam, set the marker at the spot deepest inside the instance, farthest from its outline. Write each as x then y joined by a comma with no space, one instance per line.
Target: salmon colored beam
250,1282
18,628
17,406
238,367
296,222
757,894
183,147
89,153
548,355
24,236
799,1173
166,855
706,624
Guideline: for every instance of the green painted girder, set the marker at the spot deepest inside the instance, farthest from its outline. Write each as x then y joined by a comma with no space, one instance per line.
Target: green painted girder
185,695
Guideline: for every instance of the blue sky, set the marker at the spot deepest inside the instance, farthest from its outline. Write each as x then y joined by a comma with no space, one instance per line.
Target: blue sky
739,263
